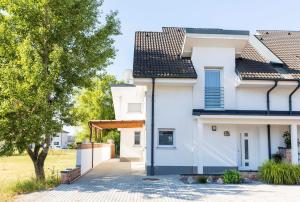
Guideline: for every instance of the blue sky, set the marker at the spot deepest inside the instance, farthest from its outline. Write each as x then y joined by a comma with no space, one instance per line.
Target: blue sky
151,15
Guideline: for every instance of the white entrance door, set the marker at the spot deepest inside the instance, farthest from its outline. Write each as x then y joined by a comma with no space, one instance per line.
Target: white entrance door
244,151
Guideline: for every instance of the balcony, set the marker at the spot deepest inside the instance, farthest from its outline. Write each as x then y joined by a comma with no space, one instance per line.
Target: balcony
214,98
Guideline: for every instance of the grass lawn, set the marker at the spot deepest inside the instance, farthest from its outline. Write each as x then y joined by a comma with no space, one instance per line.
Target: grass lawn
20,167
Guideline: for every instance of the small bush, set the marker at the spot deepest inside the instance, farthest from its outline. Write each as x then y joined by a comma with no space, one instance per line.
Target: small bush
231,177
32,184
280,173
201,179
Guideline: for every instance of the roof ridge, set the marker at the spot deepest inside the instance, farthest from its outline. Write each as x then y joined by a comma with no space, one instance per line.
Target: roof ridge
148,32
276,30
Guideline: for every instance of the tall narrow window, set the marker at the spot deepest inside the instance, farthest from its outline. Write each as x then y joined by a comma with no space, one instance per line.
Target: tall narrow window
137,138
214,93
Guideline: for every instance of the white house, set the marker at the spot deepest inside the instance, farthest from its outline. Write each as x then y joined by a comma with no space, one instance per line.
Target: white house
212,99
61,140
129,104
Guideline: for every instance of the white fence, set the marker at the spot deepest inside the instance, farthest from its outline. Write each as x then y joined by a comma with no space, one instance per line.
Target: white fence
90,155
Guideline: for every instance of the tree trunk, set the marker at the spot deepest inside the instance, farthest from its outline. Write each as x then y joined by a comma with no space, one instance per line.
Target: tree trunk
38,158
39,170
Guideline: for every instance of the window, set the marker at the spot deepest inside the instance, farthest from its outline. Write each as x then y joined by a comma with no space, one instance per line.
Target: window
135,107
56,143
166,137
137,138
214,92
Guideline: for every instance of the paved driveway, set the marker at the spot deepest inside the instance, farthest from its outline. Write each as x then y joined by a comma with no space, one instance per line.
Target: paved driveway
115,181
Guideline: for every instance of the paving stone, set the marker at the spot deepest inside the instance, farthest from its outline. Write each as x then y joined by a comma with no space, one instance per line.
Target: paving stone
113,181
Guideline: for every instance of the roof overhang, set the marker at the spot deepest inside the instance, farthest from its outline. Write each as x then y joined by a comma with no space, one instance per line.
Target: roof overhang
248,120
110,124
265,83
237,39
166,81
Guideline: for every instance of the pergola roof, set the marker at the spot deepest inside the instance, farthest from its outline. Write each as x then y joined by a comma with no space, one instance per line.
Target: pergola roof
109,124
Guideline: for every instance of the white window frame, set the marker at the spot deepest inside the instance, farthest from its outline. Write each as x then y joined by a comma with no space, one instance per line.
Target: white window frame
221,69
174,138
135,112
140,133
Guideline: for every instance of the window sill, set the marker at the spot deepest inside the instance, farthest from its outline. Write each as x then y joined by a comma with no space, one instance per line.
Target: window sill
136,145
166,147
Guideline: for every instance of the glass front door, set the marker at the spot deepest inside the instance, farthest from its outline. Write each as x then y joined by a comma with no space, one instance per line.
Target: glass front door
245,154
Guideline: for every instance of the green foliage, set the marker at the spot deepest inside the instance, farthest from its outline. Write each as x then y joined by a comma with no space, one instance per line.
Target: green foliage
114,135
201,179
48,49
287,139
280,173
231,177
31,185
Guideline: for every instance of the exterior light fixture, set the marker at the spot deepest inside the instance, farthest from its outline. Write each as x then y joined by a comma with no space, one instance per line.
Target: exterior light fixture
214,128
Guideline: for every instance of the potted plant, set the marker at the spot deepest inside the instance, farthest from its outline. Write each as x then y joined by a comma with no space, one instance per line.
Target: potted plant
287,140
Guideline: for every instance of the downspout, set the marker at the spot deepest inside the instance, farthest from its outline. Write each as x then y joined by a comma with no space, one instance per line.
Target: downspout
269,126
91,134
268,96
91,131
152,128
290,97
269,141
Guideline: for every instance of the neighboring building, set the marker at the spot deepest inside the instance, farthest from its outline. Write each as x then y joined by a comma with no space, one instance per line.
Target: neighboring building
129,104
214,99
62,140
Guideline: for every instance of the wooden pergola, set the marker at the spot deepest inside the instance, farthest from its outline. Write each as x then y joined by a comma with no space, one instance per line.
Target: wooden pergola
98,125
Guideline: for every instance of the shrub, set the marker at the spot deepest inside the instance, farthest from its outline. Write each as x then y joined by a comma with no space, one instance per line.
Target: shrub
32,184
231,177
279,173
277,158
201,179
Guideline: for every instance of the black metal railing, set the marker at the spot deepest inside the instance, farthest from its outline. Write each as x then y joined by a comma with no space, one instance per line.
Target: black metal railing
214,97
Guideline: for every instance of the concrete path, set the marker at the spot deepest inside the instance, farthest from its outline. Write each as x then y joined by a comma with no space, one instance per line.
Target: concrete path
113,181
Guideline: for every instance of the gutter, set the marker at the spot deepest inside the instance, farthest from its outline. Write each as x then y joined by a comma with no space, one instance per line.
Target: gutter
290,97
268,96
152,128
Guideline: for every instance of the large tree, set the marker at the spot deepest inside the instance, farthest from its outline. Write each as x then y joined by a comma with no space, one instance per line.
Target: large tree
95,103
48,48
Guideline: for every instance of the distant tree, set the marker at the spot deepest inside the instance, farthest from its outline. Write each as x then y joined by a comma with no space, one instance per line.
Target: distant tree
48,48
95,103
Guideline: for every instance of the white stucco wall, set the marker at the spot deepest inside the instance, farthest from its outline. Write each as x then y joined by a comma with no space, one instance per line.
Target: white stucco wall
84,157
244,98
127,147
255,98
129,94
223,58
173,109
219,150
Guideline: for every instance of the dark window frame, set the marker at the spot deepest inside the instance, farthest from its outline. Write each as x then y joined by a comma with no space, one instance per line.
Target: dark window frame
139,139
166,130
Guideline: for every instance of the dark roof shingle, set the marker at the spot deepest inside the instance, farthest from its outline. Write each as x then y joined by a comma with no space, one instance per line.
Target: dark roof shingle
157,54
284,44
